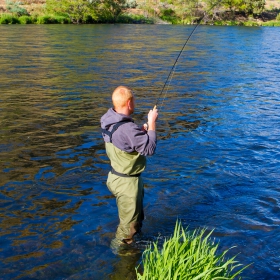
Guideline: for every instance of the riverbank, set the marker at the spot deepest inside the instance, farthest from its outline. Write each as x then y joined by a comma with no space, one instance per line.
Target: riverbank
37,12
130,19
59,19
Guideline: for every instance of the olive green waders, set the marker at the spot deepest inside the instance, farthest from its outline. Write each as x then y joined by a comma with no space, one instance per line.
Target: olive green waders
128,189
129,193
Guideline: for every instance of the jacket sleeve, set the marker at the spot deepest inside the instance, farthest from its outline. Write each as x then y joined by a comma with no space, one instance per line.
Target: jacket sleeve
141,141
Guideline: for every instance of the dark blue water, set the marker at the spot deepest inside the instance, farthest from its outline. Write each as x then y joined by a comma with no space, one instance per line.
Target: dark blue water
217,159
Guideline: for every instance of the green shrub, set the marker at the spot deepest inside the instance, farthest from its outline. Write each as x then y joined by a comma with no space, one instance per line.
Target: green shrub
186,21
131,18
62,19
219,22
80,10
232,22
42,19
46,19
187,255
173,20
34,18
278,17
15,8
52,19
167,12
88,19
25,19
169,15
125,18
8,19
131,4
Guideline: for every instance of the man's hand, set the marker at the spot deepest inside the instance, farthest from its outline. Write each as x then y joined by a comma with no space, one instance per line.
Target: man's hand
145,127
152,117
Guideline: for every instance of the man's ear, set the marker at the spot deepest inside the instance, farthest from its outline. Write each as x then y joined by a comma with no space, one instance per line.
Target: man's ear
129,103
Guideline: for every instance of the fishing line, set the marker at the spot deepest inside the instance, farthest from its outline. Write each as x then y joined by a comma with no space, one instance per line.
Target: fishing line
172,71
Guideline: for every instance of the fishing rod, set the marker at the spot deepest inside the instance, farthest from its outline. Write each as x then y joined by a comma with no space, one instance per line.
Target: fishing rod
172,71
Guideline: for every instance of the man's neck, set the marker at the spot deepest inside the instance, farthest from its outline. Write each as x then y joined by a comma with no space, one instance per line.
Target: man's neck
123,111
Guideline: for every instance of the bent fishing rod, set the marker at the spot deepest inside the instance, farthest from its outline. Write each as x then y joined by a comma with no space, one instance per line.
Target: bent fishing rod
172,71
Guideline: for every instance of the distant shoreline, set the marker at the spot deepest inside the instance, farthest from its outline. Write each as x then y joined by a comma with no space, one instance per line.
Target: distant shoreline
37,14
127,19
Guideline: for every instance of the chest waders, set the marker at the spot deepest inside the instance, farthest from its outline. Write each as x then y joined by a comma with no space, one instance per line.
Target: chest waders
123,164
126,184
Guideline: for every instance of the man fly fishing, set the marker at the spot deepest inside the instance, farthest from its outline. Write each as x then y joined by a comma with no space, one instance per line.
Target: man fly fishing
127,146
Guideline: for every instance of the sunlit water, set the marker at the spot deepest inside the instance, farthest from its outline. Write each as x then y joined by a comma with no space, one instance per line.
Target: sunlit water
218,155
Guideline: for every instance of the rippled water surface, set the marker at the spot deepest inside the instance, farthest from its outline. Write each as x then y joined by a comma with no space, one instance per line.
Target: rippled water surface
218,155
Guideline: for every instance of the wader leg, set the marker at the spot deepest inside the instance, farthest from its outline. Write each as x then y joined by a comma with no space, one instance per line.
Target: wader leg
129,193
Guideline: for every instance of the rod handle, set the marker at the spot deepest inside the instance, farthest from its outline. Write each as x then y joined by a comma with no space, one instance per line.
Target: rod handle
155,107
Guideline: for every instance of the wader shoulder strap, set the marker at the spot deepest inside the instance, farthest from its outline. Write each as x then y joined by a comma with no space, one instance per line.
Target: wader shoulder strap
115,127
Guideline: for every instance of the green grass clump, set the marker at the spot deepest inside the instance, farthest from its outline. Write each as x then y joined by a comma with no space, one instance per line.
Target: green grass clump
250,23
226,22
232,23
187,255
52,19
271,23
45,19
131,18
62,19
25,19
8,19
125,18
219,22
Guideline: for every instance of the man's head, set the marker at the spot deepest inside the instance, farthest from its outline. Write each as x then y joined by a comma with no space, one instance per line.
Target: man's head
123,100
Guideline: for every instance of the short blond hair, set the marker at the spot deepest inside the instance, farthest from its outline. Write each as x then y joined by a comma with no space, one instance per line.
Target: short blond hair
121,95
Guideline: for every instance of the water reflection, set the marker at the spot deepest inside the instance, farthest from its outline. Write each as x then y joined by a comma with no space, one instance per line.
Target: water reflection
125,268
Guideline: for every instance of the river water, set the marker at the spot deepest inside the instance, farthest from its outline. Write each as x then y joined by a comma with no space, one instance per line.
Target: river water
217,159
